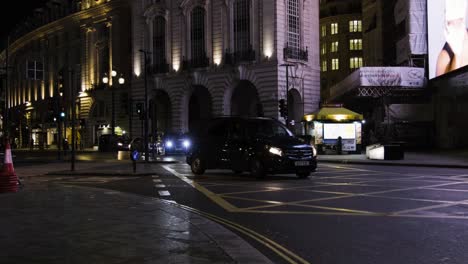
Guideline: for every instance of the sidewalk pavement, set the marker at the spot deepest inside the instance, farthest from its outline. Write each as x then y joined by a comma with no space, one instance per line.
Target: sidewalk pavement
430,158
47,223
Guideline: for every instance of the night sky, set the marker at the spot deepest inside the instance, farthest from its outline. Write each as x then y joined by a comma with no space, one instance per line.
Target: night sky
13,13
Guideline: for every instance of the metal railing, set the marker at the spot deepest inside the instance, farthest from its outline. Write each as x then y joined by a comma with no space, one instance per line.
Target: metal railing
295,53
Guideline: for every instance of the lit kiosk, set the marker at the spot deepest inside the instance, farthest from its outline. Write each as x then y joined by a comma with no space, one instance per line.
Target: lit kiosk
331,122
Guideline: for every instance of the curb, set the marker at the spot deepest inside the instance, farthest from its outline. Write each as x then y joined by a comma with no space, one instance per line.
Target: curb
380,163
231,243
114,174
117,173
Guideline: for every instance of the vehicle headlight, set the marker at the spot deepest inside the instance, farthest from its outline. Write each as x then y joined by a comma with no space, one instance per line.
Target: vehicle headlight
169,144
120,144
314,151
276,151
186,143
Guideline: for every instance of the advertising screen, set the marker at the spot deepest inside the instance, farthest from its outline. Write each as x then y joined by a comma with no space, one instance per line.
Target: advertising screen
333,131
447,36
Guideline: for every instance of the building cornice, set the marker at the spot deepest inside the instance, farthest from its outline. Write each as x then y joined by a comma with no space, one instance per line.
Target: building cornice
60,24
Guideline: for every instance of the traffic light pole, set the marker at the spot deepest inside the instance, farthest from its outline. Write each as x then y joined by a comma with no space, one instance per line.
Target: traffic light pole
6,124
113,109
130,115
72,86
146,106
58,120
287,65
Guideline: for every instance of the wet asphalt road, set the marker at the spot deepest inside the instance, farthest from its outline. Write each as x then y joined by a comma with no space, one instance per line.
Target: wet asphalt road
341,214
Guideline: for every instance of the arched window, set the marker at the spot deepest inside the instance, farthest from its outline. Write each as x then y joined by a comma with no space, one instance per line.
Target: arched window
241,28
159,45
198,37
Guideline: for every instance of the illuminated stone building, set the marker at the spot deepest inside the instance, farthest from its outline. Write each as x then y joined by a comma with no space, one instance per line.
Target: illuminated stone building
61,54
205,58
223,57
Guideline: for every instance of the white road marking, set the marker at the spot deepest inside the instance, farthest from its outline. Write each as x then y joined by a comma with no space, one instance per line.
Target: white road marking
159,186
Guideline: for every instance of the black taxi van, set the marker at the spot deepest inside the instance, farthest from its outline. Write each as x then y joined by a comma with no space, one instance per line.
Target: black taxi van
258,145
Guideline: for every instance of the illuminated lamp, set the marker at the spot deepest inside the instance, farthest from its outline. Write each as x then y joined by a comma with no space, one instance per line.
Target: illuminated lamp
340,117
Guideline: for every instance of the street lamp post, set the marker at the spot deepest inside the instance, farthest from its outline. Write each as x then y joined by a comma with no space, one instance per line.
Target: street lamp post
146,105
121,81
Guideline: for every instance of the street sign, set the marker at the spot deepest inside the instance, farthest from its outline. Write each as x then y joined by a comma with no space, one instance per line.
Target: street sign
135,155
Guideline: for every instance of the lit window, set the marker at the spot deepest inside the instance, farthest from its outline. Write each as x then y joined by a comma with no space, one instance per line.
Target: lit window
355,44
334,28
335,64
324,30
324,66
323,50
355,26
334,46
355,63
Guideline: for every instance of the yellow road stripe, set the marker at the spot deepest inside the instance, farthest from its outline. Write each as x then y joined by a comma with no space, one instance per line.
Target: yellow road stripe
277,248
221,202
427,207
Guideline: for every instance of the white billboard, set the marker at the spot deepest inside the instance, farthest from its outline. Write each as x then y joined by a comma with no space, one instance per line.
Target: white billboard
447,36
335,130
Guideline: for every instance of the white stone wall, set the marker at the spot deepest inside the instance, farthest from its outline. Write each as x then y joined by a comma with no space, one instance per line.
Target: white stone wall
268,40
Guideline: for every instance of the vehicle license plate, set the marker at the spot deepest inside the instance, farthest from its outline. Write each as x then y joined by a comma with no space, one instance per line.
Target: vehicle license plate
301,163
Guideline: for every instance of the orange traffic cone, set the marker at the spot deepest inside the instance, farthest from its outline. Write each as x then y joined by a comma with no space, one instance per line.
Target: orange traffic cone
8,178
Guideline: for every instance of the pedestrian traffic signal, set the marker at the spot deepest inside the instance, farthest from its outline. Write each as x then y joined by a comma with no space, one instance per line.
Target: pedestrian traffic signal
283,108
140,111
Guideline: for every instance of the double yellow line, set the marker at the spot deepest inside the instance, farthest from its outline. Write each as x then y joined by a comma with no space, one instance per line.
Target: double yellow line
281,251
286,254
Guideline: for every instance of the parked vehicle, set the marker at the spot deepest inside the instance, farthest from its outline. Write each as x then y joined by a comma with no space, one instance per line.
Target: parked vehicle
110,142
176,143
257,145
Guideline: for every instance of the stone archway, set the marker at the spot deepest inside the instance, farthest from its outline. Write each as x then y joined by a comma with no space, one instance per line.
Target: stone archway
245,101
295,110
200,107
160,112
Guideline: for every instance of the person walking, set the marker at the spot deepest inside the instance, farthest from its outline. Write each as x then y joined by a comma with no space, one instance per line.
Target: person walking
339,145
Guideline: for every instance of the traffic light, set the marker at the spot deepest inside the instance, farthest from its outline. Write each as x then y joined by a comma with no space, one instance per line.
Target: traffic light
283,108
60,82
140,111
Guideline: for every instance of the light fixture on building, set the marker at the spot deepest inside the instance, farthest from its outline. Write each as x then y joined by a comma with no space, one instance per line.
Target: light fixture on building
121,79
176,66
105,79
